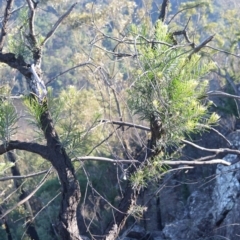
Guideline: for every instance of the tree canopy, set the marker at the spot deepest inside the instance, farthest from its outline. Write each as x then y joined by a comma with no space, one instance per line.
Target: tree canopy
97,102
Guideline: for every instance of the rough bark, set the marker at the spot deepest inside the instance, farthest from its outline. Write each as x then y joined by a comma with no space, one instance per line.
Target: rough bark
6,226
164,10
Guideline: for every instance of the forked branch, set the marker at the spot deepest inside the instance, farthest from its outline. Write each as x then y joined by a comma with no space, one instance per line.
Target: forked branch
32,7
7,14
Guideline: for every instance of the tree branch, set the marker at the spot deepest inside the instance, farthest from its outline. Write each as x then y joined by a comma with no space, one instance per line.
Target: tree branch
7,14
120,123
27,146
104,159
201,45
15,62
57,24
184,9
188,162
219,150
23,176
223,51
222,94
72,68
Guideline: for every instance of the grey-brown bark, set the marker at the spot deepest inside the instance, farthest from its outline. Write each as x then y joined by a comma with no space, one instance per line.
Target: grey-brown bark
6,226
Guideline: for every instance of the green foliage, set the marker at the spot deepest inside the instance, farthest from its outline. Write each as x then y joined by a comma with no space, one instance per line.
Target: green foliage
35,109
16,39
8,120
4,166
170,85
76,114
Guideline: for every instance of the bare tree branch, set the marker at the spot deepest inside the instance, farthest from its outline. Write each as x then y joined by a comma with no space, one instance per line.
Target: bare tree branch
201,45
23,176
219,150
120,123
7,14
57,24
188,162
29,196
104,159
217,132
223,51
27,146
72,68
184,9
222,94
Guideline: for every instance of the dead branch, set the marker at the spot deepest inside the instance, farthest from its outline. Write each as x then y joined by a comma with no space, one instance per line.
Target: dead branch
201,45
57,24
219,150
217,132
222,94
127,124
188,162
105,159
72,68
23,176
223,51
7,14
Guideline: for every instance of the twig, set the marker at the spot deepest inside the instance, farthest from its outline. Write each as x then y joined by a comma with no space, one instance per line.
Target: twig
57,24
217,132
223,51
60,74
120,123
184,9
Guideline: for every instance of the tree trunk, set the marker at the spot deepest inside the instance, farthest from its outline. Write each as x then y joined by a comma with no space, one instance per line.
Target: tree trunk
67,226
